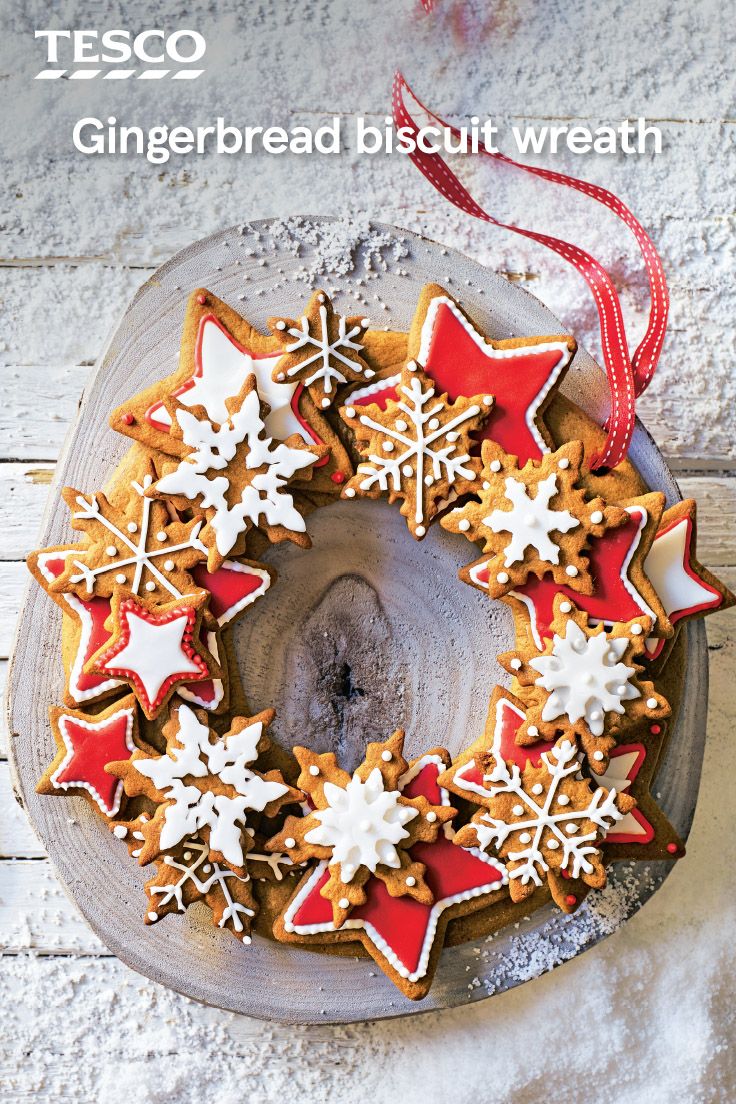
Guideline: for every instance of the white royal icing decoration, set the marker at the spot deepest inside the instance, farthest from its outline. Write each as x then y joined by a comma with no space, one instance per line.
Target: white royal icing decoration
665,567
142,557
544,821
213,447
530,522
223,371
327,352
193,809
154,651
197,867
362,824
428,462
584,677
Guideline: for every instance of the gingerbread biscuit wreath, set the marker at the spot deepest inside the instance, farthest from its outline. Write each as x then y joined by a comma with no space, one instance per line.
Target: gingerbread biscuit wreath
232,452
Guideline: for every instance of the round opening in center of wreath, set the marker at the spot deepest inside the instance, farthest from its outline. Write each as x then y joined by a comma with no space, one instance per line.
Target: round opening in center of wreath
369,631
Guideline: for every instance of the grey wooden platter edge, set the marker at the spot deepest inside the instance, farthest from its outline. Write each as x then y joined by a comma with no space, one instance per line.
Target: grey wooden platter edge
268,980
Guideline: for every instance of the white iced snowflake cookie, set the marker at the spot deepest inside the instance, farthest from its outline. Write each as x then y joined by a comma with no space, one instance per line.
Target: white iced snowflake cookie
586,681
534,520
205,786
416,448
323,349
546,822
236,475
361,825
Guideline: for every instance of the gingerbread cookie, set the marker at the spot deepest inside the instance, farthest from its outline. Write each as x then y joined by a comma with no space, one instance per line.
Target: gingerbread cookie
535,520
402,935
616,565
522,373
361,826
643,833
545,820
137,547
416,448
322,349
586,682
206,785
235,475
155,652
86,743
686,589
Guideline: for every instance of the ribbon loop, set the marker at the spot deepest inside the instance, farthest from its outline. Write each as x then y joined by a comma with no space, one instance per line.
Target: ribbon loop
628,376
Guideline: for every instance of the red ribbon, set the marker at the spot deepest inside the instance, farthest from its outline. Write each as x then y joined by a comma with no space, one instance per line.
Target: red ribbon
628,376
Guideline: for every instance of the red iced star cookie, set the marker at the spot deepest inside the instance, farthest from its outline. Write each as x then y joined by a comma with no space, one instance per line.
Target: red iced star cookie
522,373
402,935
86,744
155,652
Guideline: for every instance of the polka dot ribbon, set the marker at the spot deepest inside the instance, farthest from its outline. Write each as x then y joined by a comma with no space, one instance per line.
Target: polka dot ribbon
628,376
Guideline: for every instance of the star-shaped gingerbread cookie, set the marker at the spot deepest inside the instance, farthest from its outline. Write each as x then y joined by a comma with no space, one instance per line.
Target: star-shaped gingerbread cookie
322,349
361,825
535,519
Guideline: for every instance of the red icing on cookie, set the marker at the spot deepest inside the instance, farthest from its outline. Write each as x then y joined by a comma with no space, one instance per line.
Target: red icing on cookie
92,614
519,381
232,587
379,394
90,747
157,416
400,926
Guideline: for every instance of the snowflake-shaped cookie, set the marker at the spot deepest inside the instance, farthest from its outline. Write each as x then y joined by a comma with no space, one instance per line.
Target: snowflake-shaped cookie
534,520
188,875
236,475
362,825
416,449
135,546
205,785
323,349
586,681
546,822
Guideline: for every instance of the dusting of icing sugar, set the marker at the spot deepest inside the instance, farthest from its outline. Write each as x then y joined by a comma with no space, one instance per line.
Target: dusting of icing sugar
332,249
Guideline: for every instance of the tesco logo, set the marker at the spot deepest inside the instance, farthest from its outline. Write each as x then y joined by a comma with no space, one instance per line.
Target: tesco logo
153,53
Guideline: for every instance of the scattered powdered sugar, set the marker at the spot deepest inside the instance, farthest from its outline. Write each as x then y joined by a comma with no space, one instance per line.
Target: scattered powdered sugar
534,953
337,248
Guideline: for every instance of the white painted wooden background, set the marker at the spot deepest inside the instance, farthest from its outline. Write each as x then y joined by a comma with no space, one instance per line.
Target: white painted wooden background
649,1014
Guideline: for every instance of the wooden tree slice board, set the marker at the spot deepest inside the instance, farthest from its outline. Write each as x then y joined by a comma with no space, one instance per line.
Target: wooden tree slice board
368,630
